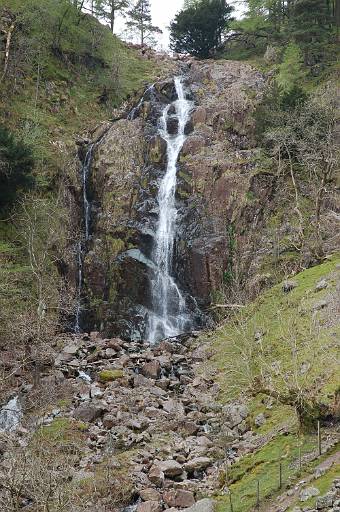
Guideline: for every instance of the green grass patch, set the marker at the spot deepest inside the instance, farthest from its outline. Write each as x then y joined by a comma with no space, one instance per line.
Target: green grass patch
263,466
280,329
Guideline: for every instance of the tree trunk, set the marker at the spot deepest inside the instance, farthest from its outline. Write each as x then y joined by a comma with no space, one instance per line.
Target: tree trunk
112,15
7,50
337,19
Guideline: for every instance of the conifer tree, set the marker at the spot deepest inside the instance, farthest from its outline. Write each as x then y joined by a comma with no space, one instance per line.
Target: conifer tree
140,22
108,9
198,29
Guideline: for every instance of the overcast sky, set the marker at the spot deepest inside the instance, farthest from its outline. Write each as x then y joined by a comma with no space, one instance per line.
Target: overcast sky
163,11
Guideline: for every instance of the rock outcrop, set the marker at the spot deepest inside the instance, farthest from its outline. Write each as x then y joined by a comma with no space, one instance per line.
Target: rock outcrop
216,172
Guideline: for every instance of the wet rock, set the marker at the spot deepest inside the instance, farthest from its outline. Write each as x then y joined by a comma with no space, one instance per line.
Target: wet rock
178,498
199,116
172,125
152,370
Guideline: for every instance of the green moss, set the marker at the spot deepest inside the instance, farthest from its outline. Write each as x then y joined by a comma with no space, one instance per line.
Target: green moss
63,431
110,375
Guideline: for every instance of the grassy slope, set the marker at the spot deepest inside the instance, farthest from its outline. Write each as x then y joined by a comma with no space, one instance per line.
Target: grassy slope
277,316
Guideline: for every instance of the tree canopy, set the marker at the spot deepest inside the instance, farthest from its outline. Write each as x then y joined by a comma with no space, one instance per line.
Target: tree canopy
198,28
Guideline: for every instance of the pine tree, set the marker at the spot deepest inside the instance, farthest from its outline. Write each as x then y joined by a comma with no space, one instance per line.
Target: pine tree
291,71
310,27
140,22
108,9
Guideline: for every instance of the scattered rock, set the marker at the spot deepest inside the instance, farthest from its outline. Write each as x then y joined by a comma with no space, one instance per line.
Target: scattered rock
205,505
321,285
308,492
325,501
152,370
149,506
260,420
170,468
88,413
150,494
197,464
288,286
178,498
156,475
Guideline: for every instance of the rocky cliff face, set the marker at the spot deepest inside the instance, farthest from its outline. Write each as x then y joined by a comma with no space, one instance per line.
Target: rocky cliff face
217,173
237,231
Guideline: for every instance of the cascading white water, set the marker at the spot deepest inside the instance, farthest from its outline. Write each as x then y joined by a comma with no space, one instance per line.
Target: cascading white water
169,316
87,224
10,416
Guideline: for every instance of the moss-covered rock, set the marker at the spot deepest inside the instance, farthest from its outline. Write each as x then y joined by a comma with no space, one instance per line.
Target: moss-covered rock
110,375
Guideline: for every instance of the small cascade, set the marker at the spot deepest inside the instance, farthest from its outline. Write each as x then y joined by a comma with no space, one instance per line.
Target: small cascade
81,248
10,416
169,316
134,111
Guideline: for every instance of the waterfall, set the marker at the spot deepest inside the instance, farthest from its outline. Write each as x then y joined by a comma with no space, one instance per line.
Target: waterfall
169,316
10,416
81,249
132,114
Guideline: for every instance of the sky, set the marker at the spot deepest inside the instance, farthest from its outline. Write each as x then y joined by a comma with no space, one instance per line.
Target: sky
163,11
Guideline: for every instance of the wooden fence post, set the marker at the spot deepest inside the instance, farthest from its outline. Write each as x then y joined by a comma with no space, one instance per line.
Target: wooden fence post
280,476
258,495
319,439
231,502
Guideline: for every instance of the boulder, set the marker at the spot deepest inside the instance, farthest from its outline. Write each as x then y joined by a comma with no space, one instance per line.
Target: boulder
205,505
288,286
308,492
199,116
260,420
197,464
326,501
174,407
170,468
156,475
321,285
149,506
152,370
235,414
109,421
88,413
178,498
150,494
